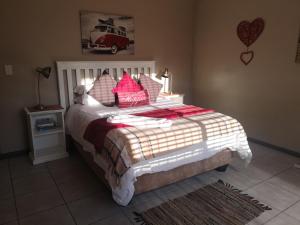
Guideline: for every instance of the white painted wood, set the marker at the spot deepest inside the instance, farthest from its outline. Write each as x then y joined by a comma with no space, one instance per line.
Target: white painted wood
61,86
78,77
50,144
94,65
95,74
70,85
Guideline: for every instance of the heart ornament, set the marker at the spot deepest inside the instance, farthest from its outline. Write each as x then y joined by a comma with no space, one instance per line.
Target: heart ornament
248,32
246,57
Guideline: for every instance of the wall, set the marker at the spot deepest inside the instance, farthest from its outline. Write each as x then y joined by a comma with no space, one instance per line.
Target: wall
38,33
265,95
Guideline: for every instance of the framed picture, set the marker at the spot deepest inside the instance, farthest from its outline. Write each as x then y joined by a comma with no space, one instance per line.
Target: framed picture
106,33
298,51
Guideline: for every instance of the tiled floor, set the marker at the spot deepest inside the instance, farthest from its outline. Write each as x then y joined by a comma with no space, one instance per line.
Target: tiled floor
66,192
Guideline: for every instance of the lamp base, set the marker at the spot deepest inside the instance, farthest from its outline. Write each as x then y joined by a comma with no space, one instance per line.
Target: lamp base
39,107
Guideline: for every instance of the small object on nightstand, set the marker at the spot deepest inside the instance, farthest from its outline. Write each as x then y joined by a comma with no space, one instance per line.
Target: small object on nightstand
46,133
179,98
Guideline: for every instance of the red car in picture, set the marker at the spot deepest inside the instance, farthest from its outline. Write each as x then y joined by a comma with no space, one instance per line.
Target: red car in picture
107,37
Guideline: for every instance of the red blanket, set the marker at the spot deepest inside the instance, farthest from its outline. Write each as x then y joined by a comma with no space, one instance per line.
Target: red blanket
97,130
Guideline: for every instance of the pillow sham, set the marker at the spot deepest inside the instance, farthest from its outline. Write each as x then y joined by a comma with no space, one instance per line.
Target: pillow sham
102,90
153,87
131,99
127,84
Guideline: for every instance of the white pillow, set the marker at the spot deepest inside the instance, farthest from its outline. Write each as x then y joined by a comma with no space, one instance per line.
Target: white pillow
81,97
89,100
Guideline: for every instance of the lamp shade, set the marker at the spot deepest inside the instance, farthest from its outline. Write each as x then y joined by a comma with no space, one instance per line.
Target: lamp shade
165,73
45,71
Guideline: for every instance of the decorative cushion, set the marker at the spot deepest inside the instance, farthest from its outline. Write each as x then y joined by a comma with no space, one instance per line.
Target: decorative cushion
102,90
127,84
153,87
131,99
79,92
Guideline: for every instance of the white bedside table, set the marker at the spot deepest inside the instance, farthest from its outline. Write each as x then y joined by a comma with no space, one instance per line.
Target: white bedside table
46,143
179,98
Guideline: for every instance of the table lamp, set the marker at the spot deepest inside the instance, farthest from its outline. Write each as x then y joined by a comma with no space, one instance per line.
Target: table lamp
166,78
45,72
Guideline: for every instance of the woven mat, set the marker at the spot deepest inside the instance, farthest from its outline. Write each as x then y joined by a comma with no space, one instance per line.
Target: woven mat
215,204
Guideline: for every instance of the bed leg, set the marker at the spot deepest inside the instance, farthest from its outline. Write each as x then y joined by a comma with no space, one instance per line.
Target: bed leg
222,168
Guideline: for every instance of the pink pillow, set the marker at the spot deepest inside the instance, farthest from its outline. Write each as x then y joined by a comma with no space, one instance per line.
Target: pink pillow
131,99
102,90
153,87
127,84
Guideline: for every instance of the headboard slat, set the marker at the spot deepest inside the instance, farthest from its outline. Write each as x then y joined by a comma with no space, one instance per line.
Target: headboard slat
70,85
78,76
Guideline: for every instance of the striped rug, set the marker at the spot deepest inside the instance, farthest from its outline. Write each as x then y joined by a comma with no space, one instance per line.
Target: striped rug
214,204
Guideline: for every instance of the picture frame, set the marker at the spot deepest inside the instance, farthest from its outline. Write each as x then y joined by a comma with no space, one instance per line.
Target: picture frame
103,33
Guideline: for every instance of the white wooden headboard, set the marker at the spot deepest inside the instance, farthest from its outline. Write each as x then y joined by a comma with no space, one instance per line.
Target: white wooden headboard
70,74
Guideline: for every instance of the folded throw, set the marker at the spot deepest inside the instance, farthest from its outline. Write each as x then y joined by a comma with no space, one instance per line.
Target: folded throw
140,121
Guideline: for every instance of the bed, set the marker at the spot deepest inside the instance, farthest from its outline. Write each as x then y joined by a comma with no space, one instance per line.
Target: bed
222,137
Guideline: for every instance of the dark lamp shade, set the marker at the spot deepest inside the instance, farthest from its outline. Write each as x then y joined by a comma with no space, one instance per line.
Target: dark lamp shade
45,71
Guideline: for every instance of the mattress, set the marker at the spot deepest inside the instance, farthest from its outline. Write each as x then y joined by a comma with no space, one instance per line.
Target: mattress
79,116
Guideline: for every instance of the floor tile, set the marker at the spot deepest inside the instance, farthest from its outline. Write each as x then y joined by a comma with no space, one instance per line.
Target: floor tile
15,222
266,167
118,219
141,203
38,201
283,219
70,174
289,179
169,192
7,210
3,163
190,184
5,187
57,216
21,167
265,217
33,183
259,150
145,201
273,195
93,208
208,177
66,163
239,178
82,187
294,211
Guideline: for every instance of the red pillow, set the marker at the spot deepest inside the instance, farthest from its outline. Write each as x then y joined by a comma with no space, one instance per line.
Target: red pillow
131,99
127,84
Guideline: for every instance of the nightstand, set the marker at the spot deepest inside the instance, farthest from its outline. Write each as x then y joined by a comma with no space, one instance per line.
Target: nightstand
46,131
174,97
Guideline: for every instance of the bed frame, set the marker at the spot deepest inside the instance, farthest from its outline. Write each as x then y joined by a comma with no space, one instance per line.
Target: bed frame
71,74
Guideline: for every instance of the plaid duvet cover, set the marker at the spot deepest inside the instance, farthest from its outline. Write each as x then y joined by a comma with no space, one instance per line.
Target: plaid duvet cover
125,145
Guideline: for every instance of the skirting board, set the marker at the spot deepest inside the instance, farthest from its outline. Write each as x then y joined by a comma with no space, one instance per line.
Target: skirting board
13,154
275,147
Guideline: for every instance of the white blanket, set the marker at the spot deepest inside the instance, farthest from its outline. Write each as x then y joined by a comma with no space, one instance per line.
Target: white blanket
79,116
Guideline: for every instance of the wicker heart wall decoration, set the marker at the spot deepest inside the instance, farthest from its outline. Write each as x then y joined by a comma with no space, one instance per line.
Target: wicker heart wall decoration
248,32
